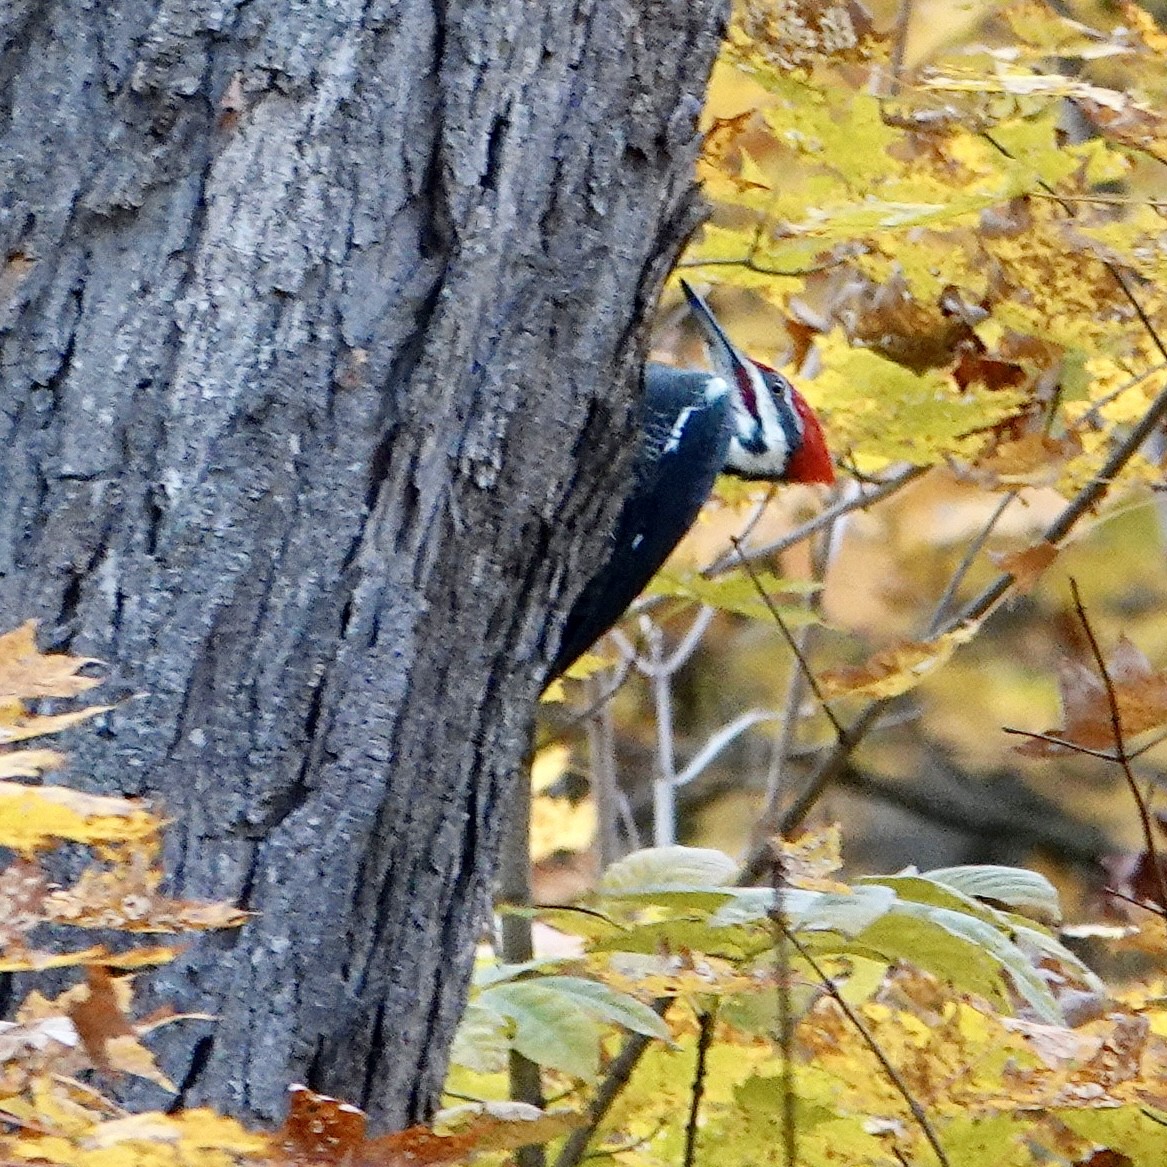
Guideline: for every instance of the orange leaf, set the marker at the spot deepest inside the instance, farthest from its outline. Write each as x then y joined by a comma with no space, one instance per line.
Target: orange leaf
1026,566
319,1128
1140,693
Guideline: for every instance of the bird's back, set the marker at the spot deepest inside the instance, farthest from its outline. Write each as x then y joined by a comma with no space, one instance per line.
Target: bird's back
684,436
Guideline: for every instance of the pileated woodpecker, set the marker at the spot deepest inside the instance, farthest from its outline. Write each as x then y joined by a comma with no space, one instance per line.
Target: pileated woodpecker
744,419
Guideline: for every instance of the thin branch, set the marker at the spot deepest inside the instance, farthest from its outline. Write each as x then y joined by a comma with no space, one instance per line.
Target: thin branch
820,521
601,737
721,740
781,923
977,608
1120,743
785,743
664,814
868,1038
963,568
706,1021
750,264
1145,905
1054,740
900,43
1086,499
803,664
690,641
1101,199
619,674
1094,415
517,946
619,1072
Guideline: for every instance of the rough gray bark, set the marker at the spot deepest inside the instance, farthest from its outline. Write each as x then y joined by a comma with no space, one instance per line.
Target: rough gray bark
318,335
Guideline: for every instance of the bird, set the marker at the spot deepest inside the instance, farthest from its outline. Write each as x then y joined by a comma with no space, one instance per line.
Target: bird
744,419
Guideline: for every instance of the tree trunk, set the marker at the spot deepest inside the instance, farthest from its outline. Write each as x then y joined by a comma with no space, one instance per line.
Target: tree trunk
319,333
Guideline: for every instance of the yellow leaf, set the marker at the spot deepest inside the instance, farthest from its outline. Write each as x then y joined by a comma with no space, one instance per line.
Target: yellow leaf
16,725
558,824
897,669
29,763
127,1054
33,960
35,817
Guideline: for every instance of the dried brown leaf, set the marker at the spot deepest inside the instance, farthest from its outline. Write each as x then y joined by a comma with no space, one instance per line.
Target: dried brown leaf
27,672
1025,566
1087,719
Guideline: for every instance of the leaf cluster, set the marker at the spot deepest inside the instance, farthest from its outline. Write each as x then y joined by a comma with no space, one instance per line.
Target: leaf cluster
951,266
998,1032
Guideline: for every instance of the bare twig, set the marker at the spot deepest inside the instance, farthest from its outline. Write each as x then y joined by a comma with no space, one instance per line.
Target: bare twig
1154,909
962,569
781,923
900,43
706,1023
893,1075
517,946
1121,755
720,740
619,1071
1054,740
793,644
821,521
601,733
784,744
977,608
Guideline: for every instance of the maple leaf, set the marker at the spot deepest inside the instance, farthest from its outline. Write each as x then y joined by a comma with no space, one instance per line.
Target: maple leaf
35,817
1087,720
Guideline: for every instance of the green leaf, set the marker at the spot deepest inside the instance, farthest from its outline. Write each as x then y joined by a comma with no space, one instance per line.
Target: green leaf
1040,946
809,911
963,949
1027,892
481,1042
607,1004
548,1028
586,923
682,868
742,943
735,592
918,889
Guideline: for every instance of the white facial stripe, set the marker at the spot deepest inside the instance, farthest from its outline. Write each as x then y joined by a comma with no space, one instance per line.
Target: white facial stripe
761,447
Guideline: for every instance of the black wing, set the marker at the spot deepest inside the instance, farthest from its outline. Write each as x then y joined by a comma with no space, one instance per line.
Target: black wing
683,442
